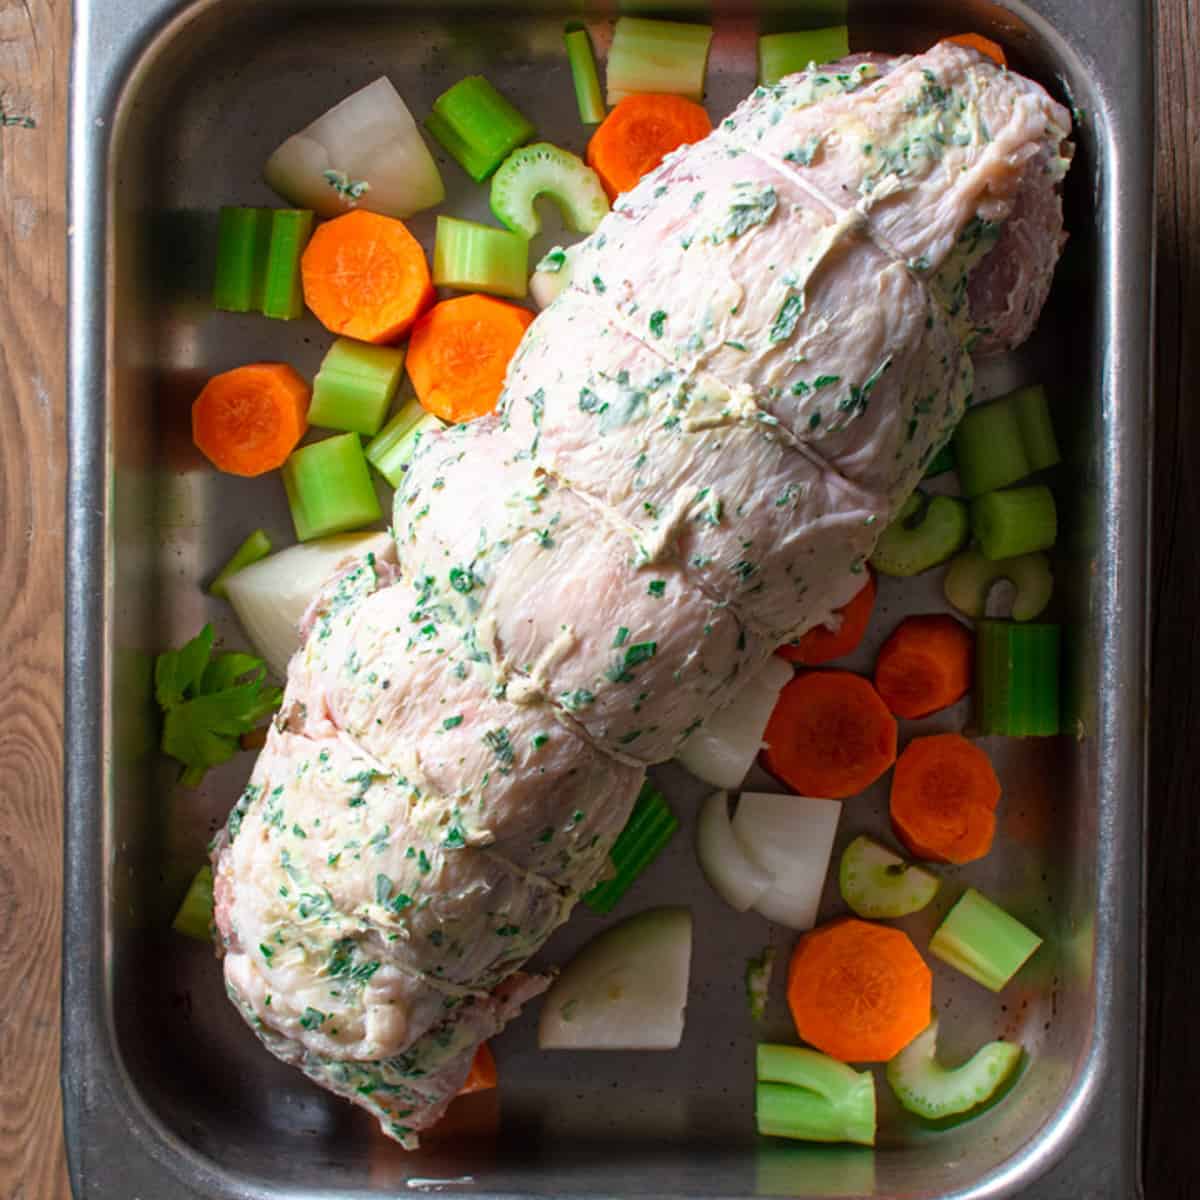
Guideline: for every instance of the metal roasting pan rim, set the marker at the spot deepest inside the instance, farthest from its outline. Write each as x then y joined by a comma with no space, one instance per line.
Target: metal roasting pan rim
107,1117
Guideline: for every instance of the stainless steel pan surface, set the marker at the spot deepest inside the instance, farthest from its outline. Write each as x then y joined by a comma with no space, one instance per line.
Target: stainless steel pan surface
175,107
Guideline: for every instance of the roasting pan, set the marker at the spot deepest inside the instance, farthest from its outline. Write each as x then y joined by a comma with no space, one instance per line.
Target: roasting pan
167,1095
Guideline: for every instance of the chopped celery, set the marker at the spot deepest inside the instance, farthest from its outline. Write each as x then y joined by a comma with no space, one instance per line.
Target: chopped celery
1001,442
255,547
583,73
1014,521
477,126
545,170
258,260
926,531
194,918
657,56
971,576
1037,430
391,449
243,238
283,297
649,828
1016,679
807,1095
758,982
355,385
329,488
474,257
989,449
941,462
982,941
781,54
924,1087
875,883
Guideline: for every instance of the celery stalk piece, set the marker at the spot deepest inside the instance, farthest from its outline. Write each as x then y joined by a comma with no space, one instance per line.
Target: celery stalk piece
391,449
1014,521
781,54
971,576
1017,679
926,531
657,56
257,546
650,827
477,126
583,74
1032,411
544,170
758,982
941,462
474,257
329,487
989,449
927,1089
807,1095
243,239
282,294
982,941
194,918
876,883
355,385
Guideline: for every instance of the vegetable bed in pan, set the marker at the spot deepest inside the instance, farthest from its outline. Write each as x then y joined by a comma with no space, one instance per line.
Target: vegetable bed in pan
613,528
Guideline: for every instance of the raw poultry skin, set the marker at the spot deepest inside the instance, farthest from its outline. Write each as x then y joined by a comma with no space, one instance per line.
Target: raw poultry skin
697,445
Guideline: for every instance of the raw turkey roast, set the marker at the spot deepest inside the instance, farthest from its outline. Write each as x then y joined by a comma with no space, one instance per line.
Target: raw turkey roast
698,443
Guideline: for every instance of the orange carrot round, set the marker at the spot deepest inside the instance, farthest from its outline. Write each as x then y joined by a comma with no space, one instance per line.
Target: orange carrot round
365,276
248,420
639,133
925,665
459,353
482,1075
976,41
829,735
822,643
859,992
944,797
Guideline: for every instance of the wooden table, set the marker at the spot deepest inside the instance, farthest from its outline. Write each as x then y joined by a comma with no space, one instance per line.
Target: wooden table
34,56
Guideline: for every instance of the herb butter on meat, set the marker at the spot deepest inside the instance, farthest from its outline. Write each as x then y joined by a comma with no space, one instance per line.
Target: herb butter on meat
698,443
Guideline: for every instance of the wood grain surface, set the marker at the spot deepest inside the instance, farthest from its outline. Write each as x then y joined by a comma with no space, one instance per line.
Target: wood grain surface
34,53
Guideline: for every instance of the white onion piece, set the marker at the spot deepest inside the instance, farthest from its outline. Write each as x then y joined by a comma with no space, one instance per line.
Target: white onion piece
369,139
625,990
722,750
270,596
728,869
790,838
545,285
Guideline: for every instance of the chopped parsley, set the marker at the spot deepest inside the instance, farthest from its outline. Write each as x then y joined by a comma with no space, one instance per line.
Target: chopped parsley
658,320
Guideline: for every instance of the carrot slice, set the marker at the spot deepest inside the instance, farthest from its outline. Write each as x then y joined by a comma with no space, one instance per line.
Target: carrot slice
639,133
944,797
822,643
248,420
857,991
830,735
482,1075
925,665
976,41
365,276
459,352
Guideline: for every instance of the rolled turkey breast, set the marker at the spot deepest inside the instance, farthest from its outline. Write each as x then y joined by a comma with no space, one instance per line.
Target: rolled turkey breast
697,445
